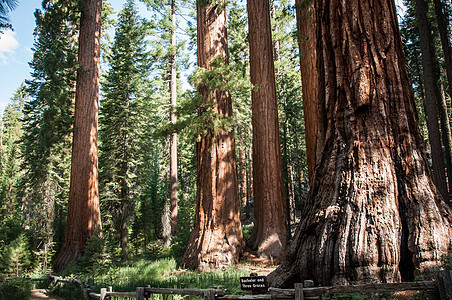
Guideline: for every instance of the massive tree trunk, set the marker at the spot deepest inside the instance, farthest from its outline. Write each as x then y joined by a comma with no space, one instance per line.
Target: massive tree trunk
217,238
83,207
306,26
269,236
432,97
373,212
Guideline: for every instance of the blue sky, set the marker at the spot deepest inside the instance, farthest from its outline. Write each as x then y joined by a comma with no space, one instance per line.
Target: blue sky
15,47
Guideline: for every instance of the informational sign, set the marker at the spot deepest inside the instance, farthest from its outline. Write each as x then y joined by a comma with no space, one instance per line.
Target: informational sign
254,283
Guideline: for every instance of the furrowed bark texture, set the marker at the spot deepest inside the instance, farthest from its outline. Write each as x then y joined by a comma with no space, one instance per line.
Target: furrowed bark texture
83,206
269,236
373,212
217,238
309,78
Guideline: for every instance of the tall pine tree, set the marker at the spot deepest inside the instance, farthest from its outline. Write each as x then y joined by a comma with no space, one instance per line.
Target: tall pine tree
48,124
121,118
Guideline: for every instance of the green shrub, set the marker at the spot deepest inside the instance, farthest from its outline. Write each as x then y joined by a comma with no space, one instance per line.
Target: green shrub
15,289
95,257
446,262
15,257
67,291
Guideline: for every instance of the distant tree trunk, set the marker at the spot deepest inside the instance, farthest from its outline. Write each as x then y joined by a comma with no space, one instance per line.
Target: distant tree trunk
166,224
217,238
269,236
446,139
288,183
373,212
445,40
243,173
306,26
173,143
124,230
83,206
432,97
447,54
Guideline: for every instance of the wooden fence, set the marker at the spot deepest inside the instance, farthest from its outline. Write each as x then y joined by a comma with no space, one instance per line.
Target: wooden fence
441,288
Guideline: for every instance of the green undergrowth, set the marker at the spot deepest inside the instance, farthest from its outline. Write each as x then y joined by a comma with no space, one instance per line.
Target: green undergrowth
18,288
160,273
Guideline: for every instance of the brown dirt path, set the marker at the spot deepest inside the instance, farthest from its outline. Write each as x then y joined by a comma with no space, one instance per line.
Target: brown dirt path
40,294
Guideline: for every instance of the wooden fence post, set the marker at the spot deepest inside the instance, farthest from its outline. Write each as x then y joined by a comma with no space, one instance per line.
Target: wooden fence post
209,295
299,291
444,281
147,295
103,293
140,293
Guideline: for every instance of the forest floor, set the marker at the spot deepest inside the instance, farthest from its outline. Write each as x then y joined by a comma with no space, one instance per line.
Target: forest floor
40,294
256,264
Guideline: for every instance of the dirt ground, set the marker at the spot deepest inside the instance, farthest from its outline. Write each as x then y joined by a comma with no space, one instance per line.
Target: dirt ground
40,294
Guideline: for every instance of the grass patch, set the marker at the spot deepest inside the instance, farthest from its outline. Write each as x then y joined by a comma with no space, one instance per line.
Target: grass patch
160,273
19,288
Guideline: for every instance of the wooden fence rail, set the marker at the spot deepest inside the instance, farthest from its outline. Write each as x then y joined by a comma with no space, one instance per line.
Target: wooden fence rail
441,288
145,292
300,293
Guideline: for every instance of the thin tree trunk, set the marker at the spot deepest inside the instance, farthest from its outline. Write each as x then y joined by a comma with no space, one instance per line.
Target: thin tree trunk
243,173
123,230
445,40
432,97
373,211
124,192
309,78
173,143
446,139
166,225
269,236
83,207
285,156
216,239
447,54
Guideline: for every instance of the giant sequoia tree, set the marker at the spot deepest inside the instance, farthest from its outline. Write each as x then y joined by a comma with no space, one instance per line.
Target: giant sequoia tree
269,236
307,44
83,207
216,239
373,212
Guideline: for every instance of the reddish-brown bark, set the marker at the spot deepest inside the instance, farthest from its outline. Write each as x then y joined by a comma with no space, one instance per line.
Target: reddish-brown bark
83,206
217,238
309,78
373,212
269,236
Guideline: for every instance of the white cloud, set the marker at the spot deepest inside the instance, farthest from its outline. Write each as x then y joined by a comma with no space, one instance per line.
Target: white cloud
8,45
